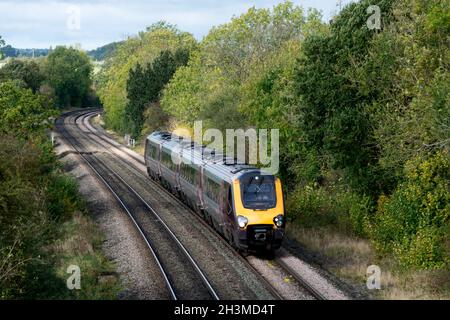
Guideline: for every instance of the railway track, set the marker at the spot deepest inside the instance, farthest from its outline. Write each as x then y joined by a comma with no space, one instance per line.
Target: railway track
303,282
182,275
108,142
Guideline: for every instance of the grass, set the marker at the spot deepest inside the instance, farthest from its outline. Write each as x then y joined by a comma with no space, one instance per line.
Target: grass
80,244
348,257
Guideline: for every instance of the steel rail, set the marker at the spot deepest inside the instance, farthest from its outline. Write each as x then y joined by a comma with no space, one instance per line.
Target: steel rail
303,282
81,155
139,228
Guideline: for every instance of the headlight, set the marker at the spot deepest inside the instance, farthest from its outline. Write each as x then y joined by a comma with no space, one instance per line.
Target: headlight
242,221
279,220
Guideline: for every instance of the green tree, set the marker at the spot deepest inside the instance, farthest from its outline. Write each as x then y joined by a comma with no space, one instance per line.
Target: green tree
210,85
23,113
334,117
144,85
27,72
111,82
68,71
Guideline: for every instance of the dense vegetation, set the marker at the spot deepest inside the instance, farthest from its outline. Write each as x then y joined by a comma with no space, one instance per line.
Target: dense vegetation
41,214
363,114
68,71
26,72
111,82
144,86
64,77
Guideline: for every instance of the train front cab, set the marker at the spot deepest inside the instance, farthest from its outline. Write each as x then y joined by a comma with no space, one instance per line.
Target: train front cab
259,210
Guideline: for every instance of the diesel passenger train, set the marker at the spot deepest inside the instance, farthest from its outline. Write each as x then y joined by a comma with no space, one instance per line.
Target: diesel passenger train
240,202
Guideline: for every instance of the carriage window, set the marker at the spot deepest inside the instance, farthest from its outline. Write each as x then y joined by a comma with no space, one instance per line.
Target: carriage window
213,190
166,160
151,151
188,173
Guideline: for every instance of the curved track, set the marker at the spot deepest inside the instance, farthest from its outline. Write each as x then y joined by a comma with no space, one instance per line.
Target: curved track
107,142
184,278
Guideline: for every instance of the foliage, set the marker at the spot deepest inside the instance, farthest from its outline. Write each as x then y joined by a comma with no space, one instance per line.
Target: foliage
144,85
345,211
414,221
2,43
111,82
104,52
68,71
7,51
335,120
26,71
359,111
23,113
210,86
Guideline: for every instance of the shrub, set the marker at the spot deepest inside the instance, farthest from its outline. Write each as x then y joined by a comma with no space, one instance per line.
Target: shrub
62,197
33,197
413,222
315,206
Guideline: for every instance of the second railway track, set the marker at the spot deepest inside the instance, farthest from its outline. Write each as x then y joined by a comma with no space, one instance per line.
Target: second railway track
106,141
184,278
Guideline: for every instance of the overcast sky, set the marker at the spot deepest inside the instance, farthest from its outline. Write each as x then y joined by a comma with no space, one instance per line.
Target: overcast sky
45,23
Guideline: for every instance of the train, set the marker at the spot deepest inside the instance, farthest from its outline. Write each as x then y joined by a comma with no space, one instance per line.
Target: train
241,202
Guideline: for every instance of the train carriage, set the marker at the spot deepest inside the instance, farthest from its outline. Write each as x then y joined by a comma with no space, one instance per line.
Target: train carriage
238,200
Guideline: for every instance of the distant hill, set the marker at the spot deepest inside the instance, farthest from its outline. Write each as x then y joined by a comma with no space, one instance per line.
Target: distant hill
8,51
98,54
103,52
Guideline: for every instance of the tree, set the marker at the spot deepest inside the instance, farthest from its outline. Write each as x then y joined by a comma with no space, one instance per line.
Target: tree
227,57
23,113
68,71
334,117
104,52
145,85
28,72
8,51
111,81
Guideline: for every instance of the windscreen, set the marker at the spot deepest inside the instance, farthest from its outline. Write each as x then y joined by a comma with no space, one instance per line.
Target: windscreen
258,191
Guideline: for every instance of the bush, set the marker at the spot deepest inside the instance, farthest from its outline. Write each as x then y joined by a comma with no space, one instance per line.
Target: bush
62,197
33,197
314,206
413,223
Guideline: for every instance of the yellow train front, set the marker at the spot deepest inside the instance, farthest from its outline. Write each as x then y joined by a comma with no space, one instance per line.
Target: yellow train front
239,201
259,211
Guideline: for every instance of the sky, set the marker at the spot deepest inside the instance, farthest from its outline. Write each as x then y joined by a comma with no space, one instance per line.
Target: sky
45,23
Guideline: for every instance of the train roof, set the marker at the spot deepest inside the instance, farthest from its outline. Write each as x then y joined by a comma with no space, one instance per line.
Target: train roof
214,162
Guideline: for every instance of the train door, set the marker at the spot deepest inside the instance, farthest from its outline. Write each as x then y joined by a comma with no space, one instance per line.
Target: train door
227,210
